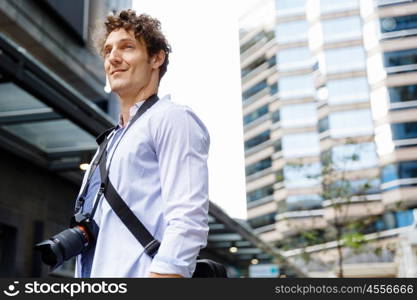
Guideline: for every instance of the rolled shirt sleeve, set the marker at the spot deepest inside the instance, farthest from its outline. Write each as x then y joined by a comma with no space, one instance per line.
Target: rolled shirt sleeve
181,144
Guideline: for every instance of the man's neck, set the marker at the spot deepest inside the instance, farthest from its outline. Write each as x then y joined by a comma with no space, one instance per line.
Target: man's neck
127,101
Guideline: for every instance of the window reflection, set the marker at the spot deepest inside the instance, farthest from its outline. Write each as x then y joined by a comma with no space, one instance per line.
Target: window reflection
303,202
259,139
336,59
258,166
298,115
294,58
255,89
260,193
261,111
301,176
351,157
342,29
403,93
351,123
296,86
300,144
327,6
400,58
398,23
407,130
292,31
262,220
349,90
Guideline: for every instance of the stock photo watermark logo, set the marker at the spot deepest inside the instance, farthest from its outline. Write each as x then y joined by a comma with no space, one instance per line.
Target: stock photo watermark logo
71,289
11,290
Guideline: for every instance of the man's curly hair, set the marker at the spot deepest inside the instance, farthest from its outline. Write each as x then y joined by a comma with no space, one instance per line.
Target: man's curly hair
146,29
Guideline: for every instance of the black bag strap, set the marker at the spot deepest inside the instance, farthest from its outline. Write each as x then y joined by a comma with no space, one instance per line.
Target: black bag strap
120,207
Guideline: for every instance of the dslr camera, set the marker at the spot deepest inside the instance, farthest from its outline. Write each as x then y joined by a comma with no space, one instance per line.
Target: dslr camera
81,235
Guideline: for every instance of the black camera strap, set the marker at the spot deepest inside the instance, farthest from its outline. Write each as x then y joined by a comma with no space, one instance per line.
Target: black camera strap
117,204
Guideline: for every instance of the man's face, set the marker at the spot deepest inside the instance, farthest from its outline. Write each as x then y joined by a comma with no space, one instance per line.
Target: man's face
126,62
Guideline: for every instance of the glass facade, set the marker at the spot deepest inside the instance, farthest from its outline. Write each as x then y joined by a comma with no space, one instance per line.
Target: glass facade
292,31
296,86
339,29
398,23
336,59
255,89
257,63
400,58
258,166
407,130
403,93
348,90
301,176
260,193
294,58
259,139
298,115
303,202
400,170
351,123
331,6
259,112
351,157
300,144
262,220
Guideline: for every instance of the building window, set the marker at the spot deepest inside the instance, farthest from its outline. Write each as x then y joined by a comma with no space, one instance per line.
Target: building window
330,6
273,89
336,59
349,90
400,58
398,23
362,186
298,115
303,202
294,58
258,166
351,157
261,111
296,86
258,62
351,123
259,139
301,176
340,29
300,144
290,32
406,130
324,124
400,170
255,89
263,220
275,116
262,36
260,193
403,93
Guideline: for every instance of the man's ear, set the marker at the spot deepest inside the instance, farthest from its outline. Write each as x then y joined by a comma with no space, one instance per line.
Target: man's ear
158,59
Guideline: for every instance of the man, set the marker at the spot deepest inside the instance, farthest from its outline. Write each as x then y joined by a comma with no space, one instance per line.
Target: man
158,166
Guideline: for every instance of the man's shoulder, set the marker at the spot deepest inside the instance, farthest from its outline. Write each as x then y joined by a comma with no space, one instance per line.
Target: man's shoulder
172,114
166,105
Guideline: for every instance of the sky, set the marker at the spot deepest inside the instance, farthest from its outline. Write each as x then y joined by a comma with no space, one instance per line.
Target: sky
204,74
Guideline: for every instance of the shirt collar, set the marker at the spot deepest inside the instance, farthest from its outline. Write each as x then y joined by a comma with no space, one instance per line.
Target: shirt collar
132,112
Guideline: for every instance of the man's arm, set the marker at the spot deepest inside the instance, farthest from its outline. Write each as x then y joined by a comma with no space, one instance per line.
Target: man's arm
181,144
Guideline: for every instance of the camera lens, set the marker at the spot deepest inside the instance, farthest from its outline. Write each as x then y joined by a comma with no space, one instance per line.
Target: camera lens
63,246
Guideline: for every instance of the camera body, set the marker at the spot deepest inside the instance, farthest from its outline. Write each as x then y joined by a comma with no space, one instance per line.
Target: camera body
81,235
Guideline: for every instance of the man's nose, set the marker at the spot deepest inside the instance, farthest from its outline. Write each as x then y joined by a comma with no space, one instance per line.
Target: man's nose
114,57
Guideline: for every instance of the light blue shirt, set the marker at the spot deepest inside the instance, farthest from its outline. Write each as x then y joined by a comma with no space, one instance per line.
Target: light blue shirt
159,168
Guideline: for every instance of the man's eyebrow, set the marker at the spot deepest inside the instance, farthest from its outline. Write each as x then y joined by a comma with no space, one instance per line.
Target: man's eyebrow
119,41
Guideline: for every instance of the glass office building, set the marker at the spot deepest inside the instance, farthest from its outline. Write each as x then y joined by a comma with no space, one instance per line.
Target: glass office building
337,79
